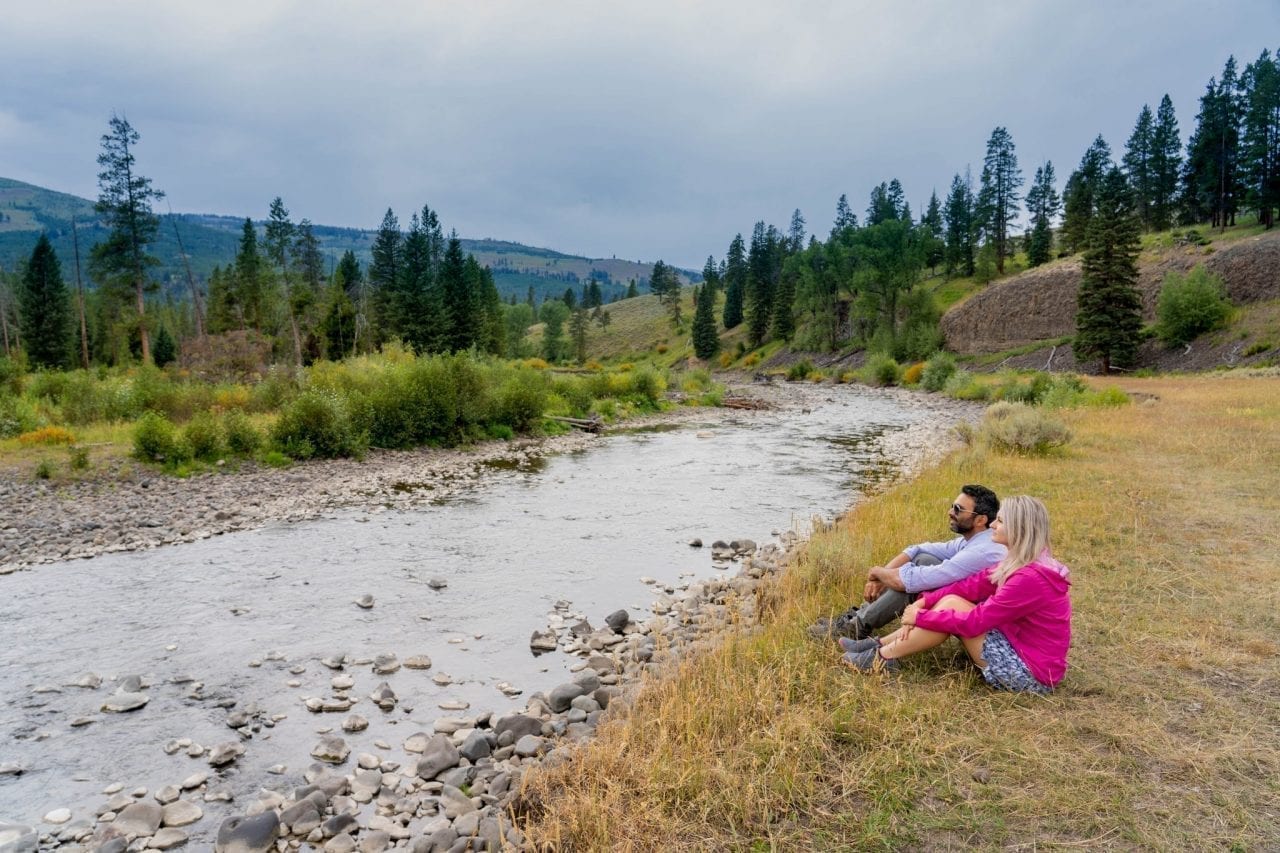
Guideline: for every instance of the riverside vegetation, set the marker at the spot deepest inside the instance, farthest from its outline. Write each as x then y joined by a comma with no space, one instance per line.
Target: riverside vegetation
1162,736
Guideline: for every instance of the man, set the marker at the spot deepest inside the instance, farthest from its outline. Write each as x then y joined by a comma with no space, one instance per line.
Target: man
920,568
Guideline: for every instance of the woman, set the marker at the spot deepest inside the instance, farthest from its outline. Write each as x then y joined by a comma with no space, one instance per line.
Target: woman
1014,618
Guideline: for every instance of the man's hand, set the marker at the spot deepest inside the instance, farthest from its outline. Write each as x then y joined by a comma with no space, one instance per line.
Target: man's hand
872,590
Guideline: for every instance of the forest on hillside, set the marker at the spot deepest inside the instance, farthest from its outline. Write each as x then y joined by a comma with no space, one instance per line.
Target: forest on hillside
870,282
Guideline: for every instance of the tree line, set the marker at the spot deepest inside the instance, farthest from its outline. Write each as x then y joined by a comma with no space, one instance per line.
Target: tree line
863,284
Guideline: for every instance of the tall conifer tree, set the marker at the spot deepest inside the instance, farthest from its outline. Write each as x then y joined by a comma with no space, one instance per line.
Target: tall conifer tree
998,198
1166,165
124,200
706,342
44,307
1138,166
735,282
1109,309
1079,195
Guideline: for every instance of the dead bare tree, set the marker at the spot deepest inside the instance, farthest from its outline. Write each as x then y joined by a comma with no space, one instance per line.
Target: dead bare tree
84,329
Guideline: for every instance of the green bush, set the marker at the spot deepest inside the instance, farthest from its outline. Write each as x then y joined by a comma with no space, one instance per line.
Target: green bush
1112,396
203,434
17,415
44,469
11,376
276,459
78,458
800,370
521,400
1190,305
502,432
156,440
883,370
273,392
1013,389
647,386
317,425
1019,428
937,370
243,438
963,386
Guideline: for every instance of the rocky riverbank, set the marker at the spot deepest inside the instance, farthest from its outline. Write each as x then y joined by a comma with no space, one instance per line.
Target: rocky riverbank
450,785
129,507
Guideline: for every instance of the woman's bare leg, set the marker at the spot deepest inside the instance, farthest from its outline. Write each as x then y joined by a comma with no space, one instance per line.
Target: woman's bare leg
909,640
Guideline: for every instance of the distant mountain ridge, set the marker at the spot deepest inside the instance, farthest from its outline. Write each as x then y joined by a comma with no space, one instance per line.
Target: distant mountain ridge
212,240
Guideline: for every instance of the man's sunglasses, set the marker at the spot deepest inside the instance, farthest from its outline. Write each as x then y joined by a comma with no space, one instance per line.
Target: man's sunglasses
957,509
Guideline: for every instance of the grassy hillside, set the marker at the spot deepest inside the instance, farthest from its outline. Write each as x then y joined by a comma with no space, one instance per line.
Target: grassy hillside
211,240
1165,734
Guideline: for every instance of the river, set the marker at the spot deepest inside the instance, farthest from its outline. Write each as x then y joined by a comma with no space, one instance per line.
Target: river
248,613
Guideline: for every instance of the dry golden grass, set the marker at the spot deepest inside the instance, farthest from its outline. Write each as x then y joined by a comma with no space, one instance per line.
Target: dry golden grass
1165,734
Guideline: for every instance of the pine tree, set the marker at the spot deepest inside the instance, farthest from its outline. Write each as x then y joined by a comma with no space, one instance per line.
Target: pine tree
1078,196
337,327
44,309
384,273
553,314
935,246
761,284
165,350
1043,205
352,277
784,322
595,298
277,240
735,281
845,217
1166,164
795,233
460,302
665,284
711,276
124,199
1211,176
578,323
1109,309
1137,164
1260,138
997,204
415,323
249,277
706,342
632,291
958,215
569,298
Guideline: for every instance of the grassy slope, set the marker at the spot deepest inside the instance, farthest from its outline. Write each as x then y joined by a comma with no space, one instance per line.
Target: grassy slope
1164,735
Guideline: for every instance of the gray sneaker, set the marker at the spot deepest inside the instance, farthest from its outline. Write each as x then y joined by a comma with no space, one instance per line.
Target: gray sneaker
870,661
864,645
846,624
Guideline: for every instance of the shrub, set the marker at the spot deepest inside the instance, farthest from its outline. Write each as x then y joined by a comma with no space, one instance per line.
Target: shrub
1190,305
1018,428
10,376
44,469
1112,396
647,386
276,459
522,400
883,370
502,432
799,370
695,380
661,349
156,440
1012,388
752,360
937,370
536,363
273,392
1256,348
817,376
316,425
243,438
229,397
78,458
47,435
911,375
963,386
203,434
725,359
17,415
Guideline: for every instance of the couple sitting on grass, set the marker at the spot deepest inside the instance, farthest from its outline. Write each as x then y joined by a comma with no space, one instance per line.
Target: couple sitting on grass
995,586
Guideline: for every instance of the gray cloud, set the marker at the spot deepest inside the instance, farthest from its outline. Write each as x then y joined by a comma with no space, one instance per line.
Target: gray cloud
645,130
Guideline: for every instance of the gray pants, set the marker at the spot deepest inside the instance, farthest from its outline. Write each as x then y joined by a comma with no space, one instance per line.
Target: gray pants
874,615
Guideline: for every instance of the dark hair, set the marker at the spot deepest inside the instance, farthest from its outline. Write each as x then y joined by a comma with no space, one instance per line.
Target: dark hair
985,501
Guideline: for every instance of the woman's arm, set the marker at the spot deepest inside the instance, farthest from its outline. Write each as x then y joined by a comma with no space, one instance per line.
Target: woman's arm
977,587
1022,593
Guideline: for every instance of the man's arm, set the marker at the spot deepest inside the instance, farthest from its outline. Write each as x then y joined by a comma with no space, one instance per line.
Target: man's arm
960,559
888,574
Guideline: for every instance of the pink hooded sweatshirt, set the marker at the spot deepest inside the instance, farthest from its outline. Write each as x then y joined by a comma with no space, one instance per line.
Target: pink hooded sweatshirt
1032,608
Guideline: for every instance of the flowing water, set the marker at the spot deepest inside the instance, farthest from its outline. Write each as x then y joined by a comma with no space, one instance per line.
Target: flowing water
236,612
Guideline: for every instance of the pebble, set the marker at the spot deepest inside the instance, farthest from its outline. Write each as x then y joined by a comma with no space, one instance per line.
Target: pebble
58,816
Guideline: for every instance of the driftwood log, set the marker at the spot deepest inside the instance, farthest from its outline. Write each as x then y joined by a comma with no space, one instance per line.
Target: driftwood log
751,403
593,424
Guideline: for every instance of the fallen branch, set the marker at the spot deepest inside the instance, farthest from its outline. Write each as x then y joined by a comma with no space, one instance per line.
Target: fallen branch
594,424
749,403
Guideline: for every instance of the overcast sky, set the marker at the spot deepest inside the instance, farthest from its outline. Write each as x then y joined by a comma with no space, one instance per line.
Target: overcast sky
646,130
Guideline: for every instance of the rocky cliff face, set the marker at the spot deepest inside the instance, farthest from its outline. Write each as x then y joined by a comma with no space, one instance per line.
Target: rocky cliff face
1040,304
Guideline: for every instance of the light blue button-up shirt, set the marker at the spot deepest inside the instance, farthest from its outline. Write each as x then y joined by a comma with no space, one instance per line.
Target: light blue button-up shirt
960,558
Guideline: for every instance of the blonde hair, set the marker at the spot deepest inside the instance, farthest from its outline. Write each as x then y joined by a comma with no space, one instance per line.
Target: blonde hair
1026,527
